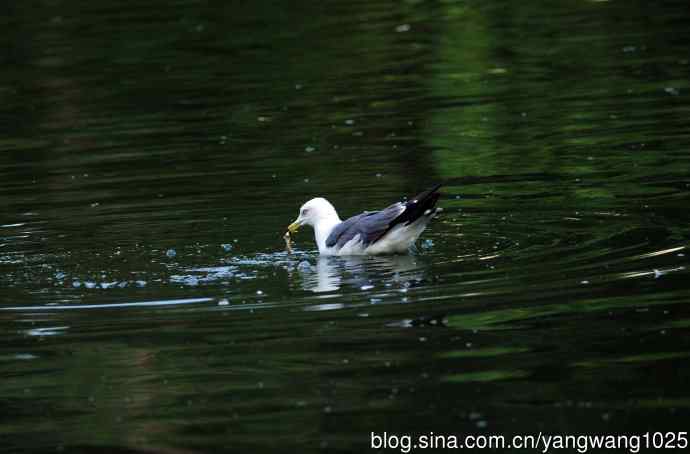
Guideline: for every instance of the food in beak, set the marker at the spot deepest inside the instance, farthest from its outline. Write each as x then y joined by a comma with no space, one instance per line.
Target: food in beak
288,242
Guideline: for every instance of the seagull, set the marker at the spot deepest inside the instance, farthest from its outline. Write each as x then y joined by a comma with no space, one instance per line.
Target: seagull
392,230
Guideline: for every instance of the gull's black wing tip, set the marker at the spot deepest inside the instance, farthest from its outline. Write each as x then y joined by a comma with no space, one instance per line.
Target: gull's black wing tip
436,187
420,205
433,191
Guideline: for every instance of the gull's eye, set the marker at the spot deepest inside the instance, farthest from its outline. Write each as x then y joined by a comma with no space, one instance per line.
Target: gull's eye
305,211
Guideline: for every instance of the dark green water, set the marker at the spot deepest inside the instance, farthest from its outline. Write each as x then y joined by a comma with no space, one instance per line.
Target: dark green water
152,156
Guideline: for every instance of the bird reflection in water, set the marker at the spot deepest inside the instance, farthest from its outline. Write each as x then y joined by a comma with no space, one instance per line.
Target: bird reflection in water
364,272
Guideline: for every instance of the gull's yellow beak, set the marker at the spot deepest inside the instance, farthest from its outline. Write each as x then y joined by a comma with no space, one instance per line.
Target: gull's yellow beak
294,227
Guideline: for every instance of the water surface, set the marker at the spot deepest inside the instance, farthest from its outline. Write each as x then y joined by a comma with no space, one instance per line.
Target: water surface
152,156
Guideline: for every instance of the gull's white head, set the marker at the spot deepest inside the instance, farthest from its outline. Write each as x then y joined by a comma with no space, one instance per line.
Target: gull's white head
313,212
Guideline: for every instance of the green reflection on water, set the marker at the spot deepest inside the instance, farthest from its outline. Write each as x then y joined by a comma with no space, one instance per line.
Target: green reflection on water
486,376
483,352
560,130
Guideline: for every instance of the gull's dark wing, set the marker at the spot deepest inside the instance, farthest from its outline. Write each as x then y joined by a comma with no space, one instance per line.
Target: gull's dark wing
371,226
